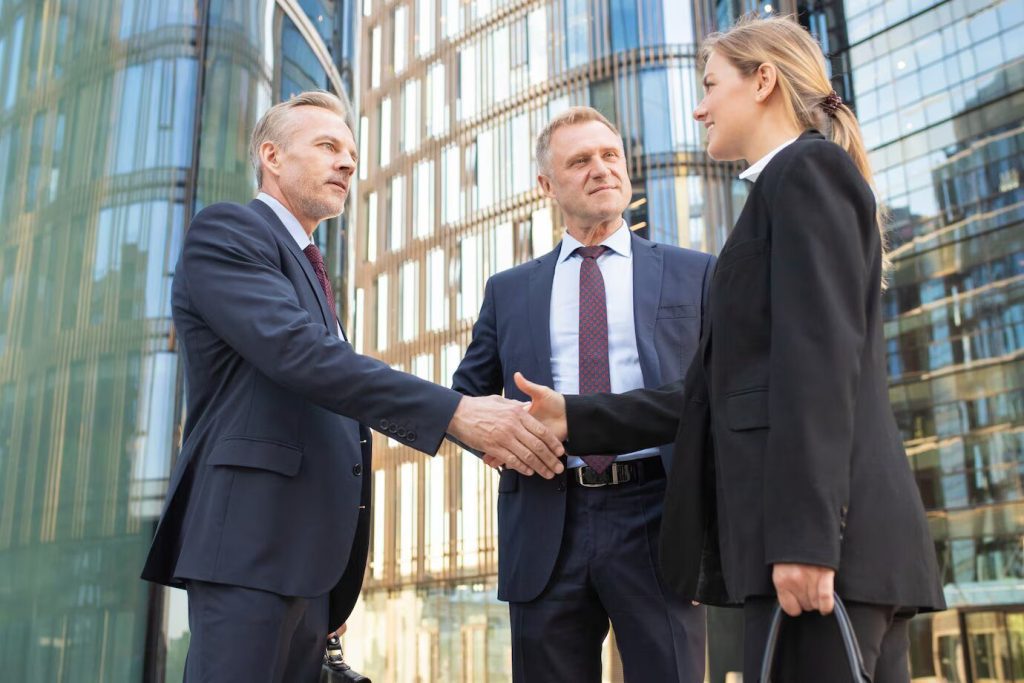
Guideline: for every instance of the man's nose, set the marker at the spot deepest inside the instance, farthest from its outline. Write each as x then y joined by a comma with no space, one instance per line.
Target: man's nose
345,163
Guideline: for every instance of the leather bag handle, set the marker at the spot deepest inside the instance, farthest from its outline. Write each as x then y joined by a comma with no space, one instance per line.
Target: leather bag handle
853,656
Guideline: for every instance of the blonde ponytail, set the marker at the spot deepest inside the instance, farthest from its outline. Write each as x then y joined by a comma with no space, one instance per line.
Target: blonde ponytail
803,82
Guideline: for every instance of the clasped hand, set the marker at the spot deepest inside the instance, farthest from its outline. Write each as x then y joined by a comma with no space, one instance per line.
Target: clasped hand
508,434
546,406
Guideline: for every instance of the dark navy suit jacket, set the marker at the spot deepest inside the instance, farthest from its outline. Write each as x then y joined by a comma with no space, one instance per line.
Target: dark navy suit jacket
513,334
271,488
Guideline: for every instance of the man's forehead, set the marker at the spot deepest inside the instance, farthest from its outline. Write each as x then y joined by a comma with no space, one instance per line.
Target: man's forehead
586,135
317,121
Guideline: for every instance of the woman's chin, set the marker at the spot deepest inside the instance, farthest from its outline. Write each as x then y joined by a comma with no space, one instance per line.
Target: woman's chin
718,154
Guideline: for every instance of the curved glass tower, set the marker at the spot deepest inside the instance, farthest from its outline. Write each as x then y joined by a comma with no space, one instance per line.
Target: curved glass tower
118,120
453,95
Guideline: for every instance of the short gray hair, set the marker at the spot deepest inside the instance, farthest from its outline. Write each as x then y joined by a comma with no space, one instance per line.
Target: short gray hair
272,126
570,117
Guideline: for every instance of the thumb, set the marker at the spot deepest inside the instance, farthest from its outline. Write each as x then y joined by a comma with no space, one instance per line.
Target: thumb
534,391
825,587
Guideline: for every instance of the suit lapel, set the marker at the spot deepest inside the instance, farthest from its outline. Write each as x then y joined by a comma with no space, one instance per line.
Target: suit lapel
285,238
541,278
647,267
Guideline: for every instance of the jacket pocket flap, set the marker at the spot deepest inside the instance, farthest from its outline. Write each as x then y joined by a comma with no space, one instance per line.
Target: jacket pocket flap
748,410
262,455
683,311
508,481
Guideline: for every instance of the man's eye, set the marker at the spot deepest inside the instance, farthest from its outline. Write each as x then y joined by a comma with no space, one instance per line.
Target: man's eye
328,146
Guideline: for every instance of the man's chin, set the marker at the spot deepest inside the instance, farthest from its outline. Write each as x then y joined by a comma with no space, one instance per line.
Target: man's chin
325,210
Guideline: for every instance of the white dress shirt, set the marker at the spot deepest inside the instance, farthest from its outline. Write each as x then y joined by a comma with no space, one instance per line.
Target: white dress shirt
294,229
616,267
755,168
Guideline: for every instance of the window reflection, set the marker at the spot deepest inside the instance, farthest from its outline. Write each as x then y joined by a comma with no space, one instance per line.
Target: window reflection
396,213
425,19
400,38
437,299
537,40
383,312
411,118
423,180
409,302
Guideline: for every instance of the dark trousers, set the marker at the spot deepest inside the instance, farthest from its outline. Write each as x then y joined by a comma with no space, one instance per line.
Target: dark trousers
607,570
810,649
251,636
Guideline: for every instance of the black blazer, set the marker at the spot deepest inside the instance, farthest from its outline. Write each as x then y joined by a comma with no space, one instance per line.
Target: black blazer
513,333
787,450
271,489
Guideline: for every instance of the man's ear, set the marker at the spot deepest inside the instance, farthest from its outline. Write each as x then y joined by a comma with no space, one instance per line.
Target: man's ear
765,78
269,157
545,185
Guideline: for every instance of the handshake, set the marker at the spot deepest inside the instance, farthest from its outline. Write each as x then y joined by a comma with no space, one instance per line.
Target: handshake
525,437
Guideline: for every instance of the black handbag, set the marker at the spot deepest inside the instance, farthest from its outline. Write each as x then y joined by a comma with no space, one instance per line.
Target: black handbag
850,644
335,670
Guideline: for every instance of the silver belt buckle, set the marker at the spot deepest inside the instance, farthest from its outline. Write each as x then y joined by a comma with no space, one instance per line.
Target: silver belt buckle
589,485
620,475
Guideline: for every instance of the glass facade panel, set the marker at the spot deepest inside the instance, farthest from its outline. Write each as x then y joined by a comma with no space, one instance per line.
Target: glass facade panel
425,20
400,37
411,118
423,217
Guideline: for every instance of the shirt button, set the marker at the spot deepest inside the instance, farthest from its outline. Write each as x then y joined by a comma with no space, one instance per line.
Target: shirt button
357,469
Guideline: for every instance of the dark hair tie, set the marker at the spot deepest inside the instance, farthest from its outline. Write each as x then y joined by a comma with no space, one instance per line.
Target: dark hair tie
831,103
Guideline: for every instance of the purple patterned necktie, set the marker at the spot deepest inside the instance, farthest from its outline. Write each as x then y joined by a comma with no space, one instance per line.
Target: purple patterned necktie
317,261
594,373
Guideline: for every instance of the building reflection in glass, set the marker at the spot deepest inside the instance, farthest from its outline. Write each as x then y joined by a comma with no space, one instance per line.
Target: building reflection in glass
938,91
111,136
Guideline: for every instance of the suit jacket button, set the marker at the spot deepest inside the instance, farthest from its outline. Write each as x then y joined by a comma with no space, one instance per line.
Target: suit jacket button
393,429
402,432
357,469
383,425
411,436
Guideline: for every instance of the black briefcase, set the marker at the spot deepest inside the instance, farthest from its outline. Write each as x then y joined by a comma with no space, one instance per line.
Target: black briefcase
850,644
335,669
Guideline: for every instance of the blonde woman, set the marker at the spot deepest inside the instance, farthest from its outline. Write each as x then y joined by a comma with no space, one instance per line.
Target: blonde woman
790,481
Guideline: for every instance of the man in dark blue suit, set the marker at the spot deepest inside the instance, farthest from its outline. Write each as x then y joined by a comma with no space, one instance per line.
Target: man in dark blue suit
605,311
266,522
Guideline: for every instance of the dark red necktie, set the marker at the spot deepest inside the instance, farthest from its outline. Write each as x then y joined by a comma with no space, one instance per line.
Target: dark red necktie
594,373
317,261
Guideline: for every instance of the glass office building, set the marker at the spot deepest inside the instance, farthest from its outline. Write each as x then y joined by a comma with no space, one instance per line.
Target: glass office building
452,96
118,120
939,89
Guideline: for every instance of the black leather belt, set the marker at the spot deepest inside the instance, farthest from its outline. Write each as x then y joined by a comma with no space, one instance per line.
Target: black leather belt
629,472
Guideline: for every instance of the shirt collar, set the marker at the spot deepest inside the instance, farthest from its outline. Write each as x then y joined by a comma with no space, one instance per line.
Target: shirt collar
619,242
290,221
755,168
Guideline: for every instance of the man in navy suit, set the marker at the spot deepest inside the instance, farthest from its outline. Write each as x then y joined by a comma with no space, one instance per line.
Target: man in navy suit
266,522
605,311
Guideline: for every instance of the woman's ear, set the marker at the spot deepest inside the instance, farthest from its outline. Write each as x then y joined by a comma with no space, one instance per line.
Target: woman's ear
765,79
